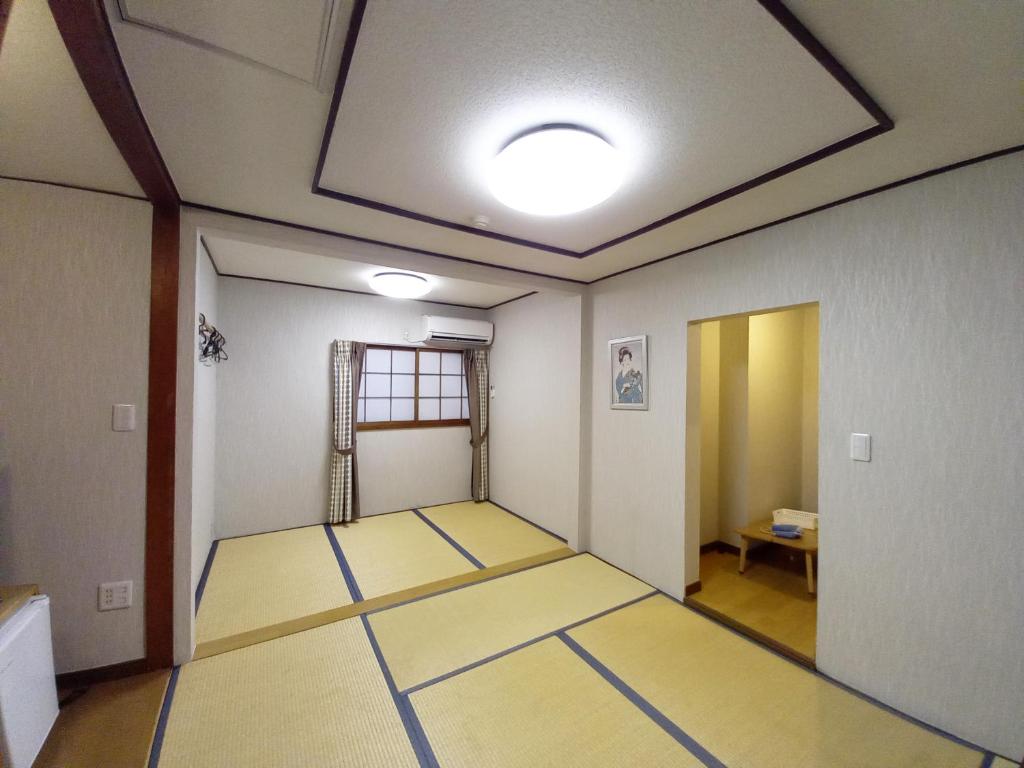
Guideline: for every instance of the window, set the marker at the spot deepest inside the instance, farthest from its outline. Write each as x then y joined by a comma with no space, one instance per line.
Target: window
403,387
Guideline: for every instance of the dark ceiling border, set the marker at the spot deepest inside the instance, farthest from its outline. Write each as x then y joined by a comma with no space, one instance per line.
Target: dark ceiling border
80,188
775,8
820,208
213,262
371,241
85,29
825,206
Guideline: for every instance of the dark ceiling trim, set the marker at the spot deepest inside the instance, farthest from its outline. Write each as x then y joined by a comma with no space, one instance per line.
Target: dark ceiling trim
90,41
351,290
820,208
371,241
775,8
676,254
73,186
209,254
509,301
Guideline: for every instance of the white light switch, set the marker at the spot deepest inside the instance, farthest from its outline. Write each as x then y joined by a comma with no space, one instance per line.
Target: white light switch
124,418
114,595
860,447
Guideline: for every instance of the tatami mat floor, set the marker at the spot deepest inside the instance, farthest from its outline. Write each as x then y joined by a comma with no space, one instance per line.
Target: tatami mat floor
267,585
571,663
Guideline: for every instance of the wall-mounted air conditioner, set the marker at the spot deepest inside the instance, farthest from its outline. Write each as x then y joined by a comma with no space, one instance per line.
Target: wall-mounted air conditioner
456,332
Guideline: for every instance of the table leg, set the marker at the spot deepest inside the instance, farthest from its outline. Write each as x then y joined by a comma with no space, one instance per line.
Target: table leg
743,553
809,561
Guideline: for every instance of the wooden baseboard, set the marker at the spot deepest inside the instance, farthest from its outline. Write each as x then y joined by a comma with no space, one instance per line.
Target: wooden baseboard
693,589
719,546
86,677
753,634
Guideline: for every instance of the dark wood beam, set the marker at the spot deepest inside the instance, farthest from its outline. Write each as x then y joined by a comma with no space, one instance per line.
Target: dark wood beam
86,31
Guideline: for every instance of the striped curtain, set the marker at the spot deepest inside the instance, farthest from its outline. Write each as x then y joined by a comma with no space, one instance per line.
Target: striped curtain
474,361
348,365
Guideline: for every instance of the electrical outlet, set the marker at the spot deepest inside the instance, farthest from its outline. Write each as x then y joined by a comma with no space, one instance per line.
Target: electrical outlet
115,594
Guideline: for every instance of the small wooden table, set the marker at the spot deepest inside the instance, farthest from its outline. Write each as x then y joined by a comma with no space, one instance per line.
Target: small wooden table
808,544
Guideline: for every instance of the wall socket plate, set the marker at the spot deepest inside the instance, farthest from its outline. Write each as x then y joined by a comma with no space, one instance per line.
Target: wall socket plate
114,595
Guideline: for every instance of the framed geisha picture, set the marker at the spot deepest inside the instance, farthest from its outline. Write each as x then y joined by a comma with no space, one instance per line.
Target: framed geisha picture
628,371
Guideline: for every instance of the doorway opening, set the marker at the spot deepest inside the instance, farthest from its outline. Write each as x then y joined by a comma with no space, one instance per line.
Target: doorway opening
752,463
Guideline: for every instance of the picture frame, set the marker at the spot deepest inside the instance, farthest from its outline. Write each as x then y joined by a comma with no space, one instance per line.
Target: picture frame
627,373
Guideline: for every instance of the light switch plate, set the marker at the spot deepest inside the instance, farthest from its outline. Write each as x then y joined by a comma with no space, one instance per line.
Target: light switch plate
860,447
123,419
114,595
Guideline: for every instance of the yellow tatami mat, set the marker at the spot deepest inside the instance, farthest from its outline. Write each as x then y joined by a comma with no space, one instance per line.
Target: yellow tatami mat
540,705
317,698
256,581
747,706
389,553
437,635
489,533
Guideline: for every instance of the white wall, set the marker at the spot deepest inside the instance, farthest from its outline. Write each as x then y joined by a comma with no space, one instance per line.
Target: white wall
534,429
921,308
74,340
204,424
274,410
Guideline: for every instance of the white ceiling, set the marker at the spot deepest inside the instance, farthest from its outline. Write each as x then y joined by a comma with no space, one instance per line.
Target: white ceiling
298,38
245,259
49,129
697,98
244,135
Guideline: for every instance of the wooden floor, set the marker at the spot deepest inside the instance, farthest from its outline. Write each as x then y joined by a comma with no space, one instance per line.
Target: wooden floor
772,601
110,725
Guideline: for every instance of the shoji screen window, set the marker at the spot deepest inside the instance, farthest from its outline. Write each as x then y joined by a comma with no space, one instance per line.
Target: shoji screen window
403,387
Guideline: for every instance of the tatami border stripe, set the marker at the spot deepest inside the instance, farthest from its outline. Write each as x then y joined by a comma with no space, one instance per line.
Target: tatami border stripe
449,539
525,643
529,522
813,671
161,723
643,704
201,586
413,728
346,571
987,760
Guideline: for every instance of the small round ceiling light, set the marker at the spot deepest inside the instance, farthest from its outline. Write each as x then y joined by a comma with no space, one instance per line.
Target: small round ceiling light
400,285
555,170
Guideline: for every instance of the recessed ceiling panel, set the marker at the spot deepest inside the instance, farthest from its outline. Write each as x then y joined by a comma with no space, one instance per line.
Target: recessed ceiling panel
241,259
697,97
291,37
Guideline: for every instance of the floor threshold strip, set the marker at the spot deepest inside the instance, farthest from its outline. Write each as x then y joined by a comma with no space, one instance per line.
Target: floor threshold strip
642,704
525,644
461,550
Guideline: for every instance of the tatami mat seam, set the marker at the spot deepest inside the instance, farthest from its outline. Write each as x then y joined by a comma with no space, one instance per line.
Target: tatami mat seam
459,548
201,587
813,671
667,725
842,686
346,571
529,522
413,727
525,644
161,723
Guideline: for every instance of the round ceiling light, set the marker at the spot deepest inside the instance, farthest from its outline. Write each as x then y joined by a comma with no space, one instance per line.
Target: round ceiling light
400,285
555,170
